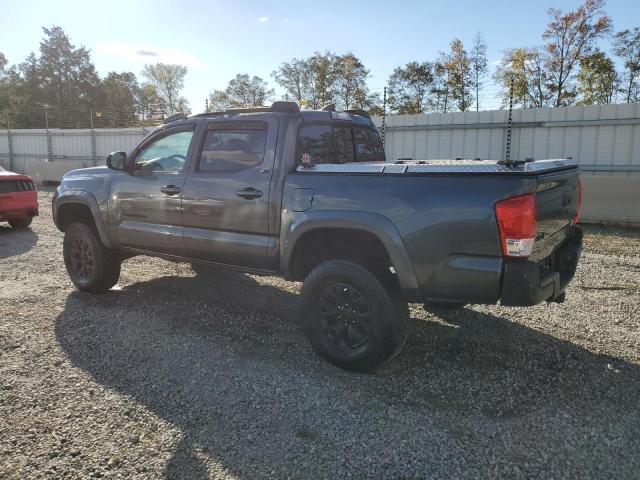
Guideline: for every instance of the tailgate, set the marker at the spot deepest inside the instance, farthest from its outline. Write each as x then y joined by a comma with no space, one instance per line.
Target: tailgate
557,200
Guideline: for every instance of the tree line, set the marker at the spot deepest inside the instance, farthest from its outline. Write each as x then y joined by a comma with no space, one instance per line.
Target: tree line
314,82
567,69
60,87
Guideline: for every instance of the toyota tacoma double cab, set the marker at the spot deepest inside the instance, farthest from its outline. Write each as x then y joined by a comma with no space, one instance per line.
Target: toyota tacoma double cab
308,195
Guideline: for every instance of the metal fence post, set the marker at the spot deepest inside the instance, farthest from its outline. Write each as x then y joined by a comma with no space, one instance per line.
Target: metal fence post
94,155
9,143
48,136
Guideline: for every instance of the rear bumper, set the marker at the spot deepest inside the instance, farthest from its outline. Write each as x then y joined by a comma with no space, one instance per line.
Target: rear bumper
526,283
17,205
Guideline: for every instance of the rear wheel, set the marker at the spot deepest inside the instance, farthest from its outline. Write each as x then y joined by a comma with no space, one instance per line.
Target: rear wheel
350,319
23,222
91,266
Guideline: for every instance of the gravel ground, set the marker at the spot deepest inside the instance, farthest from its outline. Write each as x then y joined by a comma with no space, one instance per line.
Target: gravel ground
170,375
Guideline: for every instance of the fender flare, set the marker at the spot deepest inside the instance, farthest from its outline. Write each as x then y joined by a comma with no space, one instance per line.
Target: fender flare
373,223
88,200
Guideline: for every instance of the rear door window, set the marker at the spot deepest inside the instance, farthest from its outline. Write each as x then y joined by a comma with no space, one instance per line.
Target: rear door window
231,148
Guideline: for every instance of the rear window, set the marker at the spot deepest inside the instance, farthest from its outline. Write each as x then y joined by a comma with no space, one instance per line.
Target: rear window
233,148
343,140
316,143
368,145
339,144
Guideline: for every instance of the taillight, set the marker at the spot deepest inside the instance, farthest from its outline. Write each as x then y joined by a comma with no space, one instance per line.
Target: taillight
576,217
516,218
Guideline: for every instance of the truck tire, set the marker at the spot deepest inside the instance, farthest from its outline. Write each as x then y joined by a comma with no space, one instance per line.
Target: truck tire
350,319
91,266
23,222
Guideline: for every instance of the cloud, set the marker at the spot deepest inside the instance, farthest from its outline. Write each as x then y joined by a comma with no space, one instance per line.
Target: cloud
495,62
147,53
263,19
140,53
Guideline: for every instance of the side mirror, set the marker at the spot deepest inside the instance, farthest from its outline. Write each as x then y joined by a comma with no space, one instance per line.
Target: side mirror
117,160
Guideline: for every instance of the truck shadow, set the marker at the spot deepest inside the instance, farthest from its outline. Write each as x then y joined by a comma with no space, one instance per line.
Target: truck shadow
16,242
222,358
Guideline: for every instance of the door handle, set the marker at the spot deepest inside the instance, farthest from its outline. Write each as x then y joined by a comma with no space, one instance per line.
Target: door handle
170,189
249,193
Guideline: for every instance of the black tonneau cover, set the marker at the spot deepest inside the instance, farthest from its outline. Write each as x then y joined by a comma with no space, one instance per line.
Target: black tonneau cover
416,167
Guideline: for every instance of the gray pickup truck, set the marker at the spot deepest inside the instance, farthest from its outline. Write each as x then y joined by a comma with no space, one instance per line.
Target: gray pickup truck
308,195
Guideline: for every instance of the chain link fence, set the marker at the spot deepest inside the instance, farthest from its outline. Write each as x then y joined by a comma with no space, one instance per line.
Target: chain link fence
47,142
83,117
604,139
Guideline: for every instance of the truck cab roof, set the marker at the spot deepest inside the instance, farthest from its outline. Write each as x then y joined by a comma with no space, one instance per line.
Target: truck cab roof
326,114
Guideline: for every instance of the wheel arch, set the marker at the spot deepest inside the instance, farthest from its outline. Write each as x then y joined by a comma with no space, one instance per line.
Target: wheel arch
363,225
79,207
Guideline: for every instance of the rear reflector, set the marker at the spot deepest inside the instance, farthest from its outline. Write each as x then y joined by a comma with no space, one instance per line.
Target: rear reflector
516,218
576,217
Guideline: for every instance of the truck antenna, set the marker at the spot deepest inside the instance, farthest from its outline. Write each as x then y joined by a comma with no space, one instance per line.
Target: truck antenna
507,156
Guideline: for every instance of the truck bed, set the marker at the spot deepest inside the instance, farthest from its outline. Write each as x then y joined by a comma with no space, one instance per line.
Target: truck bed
444,210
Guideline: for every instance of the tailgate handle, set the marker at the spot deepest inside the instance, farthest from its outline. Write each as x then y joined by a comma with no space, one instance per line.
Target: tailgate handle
249,193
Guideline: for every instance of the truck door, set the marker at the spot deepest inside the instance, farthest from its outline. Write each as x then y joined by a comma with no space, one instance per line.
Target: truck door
145,204
227,193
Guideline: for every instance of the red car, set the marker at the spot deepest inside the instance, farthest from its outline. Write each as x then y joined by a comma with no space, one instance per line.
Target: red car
18,199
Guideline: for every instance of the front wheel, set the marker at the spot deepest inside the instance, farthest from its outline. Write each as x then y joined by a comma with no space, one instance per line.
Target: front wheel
350,319
91,266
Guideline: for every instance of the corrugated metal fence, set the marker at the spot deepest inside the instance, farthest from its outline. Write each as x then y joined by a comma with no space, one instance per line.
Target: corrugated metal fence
605,139
47,155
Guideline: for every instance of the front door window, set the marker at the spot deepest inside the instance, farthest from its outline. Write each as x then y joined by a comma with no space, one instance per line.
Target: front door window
167,154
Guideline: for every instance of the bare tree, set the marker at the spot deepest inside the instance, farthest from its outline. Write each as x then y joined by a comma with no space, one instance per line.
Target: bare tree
626,45
571,36
169,82
479,64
